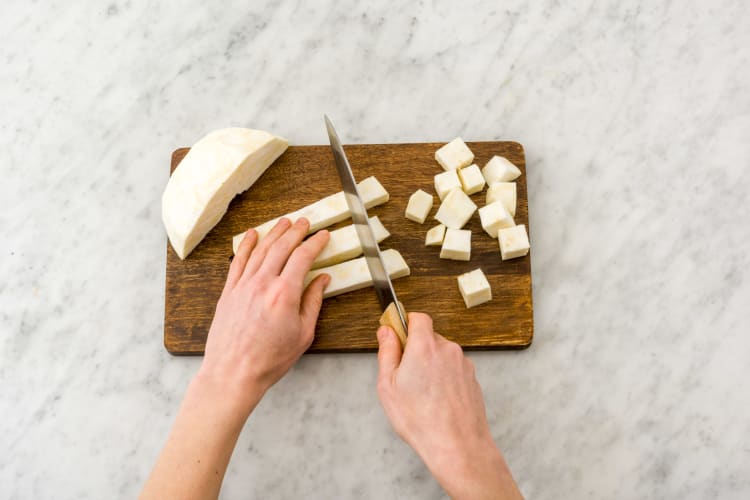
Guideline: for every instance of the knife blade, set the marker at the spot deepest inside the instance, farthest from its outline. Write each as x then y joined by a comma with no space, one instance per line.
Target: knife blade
380,278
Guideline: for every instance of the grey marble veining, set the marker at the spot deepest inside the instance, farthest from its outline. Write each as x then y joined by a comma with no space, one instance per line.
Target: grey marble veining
636,121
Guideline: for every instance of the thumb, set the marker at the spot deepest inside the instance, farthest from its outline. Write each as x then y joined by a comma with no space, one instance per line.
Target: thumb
312,299
389,352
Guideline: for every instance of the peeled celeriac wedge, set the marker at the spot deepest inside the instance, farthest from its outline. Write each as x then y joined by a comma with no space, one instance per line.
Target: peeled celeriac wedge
474,288
456,210
344,244
500,169
505,192
354,274
219,166
325,212
455,154
435,236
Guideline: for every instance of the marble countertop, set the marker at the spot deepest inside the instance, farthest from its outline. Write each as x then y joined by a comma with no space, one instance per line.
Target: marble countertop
636,122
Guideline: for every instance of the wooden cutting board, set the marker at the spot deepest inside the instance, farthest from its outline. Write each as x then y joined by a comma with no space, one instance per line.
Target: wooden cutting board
347,323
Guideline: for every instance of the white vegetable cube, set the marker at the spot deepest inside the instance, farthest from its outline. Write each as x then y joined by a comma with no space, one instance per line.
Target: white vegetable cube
446,182
419,206
474,288
456,245
456,210
455,154
504,192
514,242
500,169
435,236
472,180
495,217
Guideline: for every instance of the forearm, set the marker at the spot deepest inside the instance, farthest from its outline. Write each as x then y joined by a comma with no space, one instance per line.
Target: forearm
195,456
480,472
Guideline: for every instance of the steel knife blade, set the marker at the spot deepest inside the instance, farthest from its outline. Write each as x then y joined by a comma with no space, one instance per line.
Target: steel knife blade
371,250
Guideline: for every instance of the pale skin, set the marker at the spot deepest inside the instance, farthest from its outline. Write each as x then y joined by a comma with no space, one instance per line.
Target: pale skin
264,321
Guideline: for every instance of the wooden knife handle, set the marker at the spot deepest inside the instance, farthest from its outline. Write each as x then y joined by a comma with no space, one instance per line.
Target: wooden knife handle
391,318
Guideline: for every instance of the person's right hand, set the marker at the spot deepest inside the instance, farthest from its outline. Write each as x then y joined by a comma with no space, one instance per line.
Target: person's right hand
434,402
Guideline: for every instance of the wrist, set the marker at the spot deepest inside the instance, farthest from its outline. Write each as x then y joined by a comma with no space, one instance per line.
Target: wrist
231,397
474,471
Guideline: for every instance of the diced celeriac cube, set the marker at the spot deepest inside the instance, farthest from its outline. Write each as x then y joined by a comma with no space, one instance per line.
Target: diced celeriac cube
455,154
474,288
514,242
344,244
419,206
326,211
435,236
456,210
471,178
446,182
456,245
500,169
505,192
495,217
354,274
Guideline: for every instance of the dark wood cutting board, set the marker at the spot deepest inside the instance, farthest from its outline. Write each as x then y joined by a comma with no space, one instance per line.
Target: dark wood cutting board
347,323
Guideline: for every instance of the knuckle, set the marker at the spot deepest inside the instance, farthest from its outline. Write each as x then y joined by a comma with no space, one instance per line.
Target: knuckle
304,253
454,350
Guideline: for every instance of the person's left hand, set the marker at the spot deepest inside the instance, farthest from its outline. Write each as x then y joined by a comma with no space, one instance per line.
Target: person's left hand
265,318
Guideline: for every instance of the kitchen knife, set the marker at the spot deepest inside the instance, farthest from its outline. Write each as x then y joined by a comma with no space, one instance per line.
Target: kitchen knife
393,311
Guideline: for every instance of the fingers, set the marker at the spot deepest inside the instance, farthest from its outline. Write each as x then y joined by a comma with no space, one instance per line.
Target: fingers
237,267
389,354
279,253
259,254
312,299
302,258
420,330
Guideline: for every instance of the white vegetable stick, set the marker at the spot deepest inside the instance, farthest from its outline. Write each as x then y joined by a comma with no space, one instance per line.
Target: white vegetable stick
219,166
354,274
325,212
344,244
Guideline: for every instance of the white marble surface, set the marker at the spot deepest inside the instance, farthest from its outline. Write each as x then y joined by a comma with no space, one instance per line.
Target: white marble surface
636,123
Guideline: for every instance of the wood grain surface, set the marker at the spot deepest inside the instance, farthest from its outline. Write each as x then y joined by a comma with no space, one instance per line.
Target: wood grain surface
347,323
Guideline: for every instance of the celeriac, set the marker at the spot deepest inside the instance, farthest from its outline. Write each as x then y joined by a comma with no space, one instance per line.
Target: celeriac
456,245
514,242
455,154
456,210
419,206
495,217
344,243
435,236
471,178
354,274
505,192
500,169
474,288
327,211
445,182
222,164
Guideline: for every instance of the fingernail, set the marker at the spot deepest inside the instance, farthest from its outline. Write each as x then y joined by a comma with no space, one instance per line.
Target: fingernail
302,222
